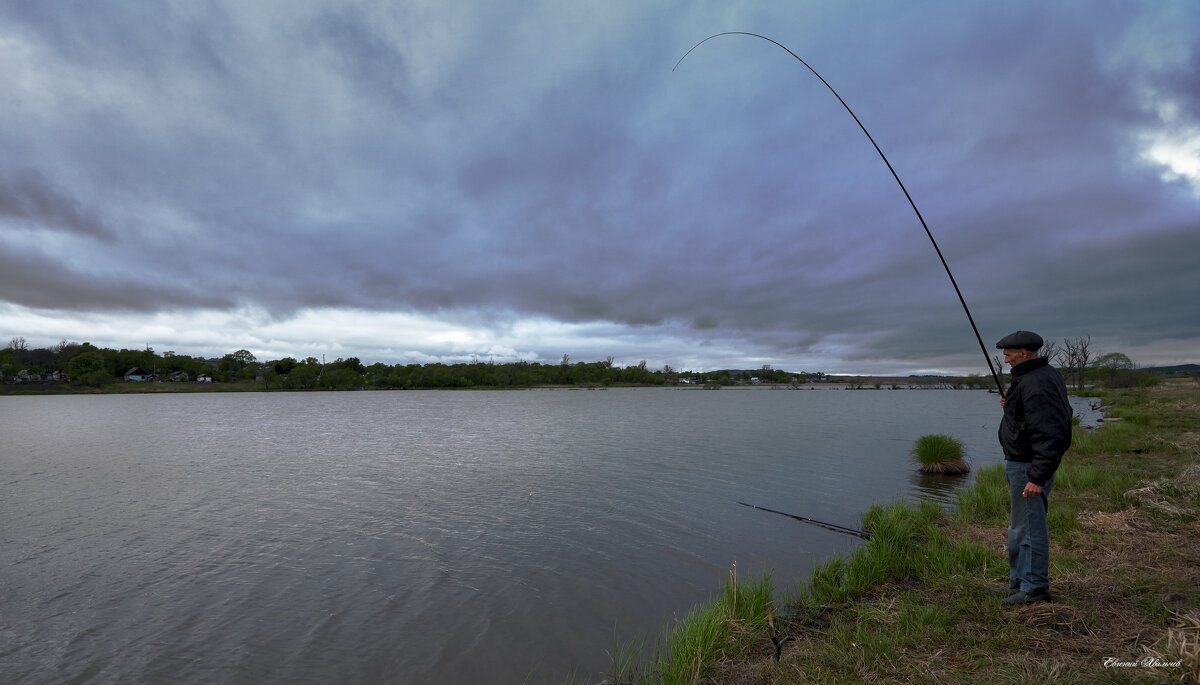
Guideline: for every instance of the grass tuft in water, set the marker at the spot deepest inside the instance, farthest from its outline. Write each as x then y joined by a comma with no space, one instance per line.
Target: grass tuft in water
939,453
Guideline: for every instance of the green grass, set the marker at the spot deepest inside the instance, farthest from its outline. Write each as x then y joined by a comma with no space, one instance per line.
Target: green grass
692,645
704,636
986,501
1061,519
1114,438
1094,481
625,659
939,453
1081,474
906,542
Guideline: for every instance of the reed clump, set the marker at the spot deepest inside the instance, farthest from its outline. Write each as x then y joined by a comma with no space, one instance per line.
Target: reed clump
941,454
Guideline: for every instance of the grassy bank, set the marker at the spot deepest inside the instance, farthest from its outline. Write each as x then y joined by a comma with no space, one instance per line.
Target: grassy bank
914,605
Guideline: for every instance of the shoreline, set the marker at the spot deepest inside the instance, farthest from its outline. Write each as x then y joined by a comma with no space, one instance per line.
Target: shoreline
167,387
914,604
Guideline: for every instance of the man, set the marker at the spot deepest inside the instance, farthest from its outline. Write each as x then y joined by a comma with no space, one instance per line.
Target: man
1034,434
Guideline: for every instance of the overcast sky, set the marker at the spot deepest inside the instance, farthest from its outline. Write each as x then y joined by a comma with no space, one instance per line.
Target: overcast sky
411,181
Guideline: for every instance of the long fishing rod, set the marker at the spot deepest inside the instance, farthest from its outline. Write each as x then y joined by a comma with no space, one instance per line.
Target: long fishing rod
866,535
896,176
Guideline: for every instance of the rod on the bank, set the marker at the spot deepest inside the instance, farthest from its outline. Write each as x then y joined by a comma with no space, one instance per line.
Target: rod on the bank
896,176
866,535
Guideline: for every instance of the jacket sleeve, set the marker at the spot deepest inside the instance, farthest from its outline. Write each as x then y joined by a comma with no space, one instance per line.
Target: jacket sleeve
1048,422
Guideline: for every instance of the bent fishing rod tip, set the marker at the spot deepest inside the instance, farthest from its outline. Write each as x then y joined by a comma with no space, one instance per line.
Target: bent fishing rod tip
962,300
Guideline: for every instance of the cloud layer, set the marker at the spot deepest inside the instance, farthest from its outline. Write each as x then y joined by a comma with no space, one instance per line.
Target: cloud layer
421,181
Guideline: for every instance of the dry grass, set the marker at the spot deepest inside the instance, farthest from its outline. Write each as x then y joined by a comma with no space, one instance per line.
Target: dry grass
1123,521
1187,441
1182,644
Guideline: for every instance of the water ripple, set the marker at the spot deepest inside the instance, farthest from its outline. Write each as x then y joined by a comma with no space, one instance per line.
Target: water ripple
419,536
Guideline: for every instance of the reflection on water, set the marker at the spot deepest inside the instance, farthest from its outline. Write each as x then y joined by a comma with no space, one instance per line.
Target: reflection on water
937,486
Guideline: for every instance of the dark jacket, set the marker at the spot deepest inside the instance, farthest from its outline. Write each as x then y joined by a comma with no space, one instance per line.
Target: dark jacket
1036,428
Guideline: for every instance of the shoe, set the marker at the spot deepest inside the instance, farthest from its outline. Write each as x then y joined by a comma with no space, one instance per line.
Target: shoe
1007,589
1021,597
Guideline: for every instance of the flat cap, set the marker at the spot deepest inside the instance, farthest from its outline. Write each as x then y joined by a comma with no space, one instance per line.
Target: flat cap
1021,340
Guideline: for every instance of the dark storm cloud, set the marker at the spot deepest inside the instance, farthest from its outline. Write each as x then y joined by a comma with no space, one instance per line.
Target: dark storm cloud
490,163
41,281
30,199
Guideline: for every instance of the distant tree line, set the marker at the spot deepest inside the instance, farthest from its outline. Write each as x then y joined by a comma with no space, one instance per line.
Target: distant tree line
86,364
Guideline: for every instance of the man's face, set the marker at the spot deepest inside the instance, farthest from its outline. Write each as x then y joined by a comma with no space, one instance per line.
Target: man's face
1013,356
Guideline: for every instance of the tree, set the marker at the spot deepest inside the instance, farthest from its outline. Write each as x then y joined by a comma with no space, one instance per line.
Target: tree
63,352
88,367
232,364
1052,352
999,360
1117,361
305,375
1115,369
85,362
1076,356
17,345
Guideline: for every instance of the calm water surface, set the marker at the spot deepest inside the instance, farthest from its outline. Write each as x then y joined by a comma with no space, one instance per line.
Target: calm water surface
421,537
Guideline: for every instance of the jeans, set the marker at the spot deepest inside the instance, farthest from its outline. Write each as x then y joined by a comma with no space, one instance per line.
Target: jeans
1028,536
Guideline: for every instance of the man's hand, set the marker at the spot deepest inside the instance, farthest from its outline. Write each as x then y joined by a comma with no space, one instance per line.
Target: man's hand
1031,490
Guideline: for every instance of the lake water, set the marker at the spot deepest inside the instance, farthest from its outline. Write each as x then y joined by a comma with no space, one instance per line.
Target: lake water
422,537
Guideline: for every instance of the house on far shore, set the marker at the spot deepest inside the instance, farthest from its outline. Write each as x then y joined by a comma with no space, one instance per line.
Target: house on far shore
136,375
204,378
